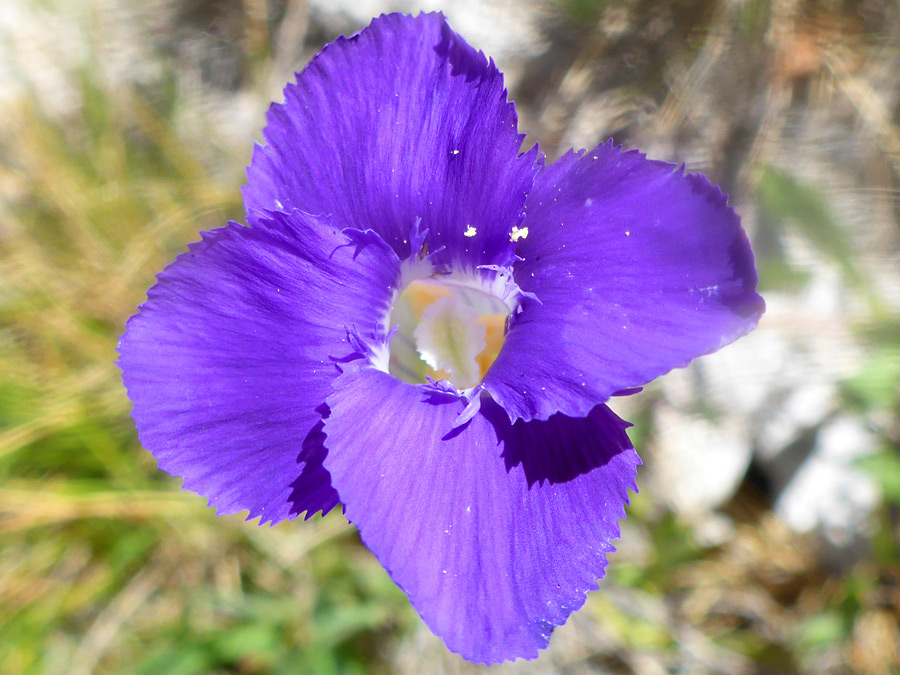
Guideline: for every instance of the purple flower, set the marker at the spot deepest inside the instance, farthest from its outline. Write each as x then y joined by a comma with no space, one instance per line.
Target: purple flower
346,346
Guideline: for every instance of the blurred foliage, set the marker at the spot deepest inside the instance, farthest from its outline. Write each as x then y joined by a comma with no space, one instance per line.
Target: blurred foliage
783,199
93,536
108,567
581,12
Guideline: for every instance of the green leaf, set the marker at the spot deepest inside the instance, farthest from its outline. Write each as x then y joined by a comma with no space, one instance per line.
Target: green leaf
823,630
188,660
884,469
877,384
257,643
783,199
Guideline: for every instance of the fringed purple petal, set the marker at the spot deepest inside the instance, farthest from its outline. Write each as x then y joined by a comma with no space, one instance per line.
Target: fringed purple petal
232,354
401,121
639,269
495,531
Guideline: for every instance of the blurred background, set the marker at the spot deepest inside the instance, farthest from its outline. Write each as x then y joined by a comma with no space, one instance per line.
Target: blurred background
765,537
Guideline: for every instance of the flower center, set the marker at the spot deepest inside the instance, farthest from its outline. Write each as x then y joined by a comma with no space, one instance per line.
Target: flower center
445,330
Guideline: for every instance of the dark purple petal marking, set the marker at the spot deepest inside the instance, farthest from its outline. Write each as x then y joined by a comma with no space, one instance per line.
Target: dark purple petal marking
495,531
312,491
401,121
232,354
639,269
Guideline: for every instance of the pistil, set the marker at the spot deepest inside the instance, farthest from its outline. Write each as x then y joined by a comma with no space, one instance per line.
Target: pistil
446,330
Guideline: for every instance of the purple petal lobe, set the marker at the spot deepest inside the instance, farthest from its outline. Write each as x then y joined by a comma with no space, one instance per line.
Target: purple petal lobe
638,267
495,531
401,121
232,354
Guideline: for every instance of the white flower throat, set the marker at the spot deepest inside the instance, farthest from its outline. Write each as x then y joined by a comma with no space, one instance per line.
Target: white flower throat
445,330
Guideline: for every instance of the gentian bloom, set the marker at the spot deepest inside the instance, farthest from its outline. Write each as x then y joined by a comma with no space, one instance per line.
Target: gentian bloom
424,325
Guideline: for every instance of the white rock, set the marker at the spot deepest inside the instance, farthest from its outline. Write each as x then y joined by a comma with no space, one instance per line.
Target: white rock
697,464
828,493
